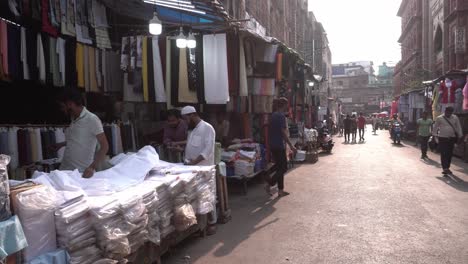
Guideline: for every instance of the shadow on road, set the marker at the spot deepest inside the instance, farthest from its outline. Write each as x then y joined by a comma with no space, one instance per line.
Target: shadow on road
251,211
455,182
398,145
431,162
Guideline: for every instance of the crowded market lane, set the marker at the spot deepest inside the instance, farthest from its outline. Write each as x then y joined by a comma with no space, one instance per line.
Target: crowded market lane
366,203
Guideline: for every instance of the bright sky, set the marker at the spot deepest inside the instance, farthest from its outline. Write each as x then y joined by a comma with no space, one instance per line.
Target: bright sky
360,30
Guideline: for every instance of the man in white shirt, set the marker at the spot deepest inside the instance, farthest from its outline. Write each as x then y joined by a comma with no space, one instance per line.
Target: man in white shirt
447,131
82,137
200,146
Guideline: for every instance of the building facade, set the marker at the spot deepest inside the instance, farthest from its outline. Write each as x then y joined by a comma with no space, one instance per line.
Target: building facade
358,89
433,41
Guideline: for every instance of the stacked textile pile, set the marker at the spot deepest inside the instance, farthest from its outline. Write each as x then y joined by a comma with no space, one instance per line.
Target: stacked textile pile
182,190
75,231
120,222
166,204
206,190
35,209
244,159
4,189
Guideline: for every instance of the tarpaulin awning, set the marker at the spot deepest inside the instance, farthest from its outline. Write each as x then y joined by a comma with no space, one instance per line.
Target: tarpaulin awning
199,12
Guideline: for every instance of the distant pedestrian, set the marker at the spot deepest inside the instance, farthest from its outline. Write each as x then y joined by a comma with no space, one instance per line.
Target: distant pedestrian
361,126
354,127
424,132
448,131
347,128
375,124
341,125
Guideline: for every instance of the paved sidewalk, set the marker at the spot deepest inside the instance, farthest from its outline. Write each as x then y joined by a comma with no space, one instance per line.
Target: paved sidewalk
366,203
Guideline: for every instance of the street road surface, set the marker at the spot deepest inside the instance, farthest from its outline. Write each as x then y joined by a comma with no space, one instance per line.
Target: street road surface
365,203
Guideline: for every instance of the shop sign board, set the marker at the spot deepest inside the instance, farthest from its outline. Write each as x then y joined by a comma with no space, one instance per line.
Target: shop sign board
460,40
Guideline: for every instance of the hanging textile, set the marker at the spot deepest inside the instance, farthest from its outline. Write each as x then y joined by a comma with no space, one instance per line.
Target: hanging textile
233,60
185,95
436,107
143,63
263,86
174,72
279,66
243,90
41,59
168,78
46,23
465,95
93,87
81,22
150,66
80,64
4,47
215,69
159,89
14,52
447,94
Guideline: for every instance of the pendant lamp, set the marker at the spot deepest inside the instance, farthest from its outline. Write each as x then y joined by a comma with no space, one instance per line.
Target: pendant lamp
181,40
155,25
191,41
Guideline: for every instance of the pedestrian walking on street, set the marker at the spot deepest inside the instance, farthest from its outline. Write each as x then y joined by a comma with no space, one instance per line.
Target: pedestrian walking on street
424,126
375,122
278,138
347,128
354,127
361,126
448,132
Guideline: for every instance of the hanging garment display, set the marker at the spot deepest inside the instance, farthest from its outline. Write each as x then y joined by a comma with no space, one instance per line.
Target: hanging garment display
279,66
143,63
263,86
159,89
465,95
14,52
215,69
150,65
81,22
168,78
185,95
233,59
243,90
447,89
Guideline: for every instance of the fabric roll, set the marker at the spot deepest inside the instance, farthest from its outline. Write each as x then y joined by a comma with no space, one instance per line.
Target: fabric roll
143,64
174,73
41,65
233,61
31,54
185,95
243,90
159,89
93,87
114,139
119,145
87,83
215,69
150,65
71,71
51,137
45,140
54,62
37,132
279,66
200,81
4,46
98,67
13,147
14,52
139,51
168,80
80,64
22,141
60,53
24,55
33,145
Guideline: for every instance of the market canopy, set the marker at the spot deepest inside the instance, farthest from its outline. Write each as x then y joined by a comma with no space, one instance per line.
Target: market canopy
202,13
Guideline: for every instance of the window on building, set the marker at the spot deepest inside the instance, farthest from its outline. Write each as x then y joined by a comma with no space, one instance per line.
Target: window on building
438,40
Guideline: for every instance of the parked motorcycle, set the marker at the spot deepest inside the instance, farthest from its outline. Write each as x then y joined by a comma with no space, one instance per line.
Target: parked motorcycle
325,140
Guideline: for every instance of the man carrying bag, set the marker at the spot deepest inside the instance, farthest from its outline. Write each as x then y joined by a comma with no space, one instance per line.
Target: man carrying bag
447,131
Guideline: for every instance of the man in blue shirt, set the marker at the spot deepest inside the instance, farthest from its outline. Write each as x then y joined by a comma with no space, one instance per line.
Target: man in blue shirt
278,138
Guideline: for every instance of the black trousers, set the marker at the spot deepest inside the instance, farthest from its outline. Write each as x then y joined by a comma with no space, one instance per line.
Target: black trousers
361,133
423,141
280,167
446,146
354,133
347,135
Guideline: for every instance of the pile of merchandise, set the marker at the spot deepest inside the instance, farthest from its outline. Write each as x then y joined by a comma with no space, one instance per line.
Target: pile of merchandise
100,220
244,158
4,189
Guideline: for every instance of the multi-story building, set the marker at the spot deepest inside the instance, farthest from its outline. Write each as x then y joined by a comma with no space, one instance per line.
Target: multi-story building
433,41
359,90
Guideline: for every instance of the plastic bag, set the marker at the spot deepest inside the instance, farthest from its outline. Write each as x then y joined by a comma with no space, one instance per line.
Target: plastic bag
35,209
116,248
5,212
107,210
184,217
85,255
74,229
72,210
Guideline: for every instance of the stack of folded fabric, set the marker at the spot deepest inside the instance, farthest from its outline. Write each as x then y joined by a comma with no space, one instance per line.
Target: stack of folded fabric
4,189
206,190
75,231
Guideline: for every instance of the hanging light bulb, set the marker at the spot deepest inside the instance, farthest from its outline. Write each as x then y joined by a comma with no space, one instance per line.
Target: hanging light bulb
181,41
155,25
191,41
